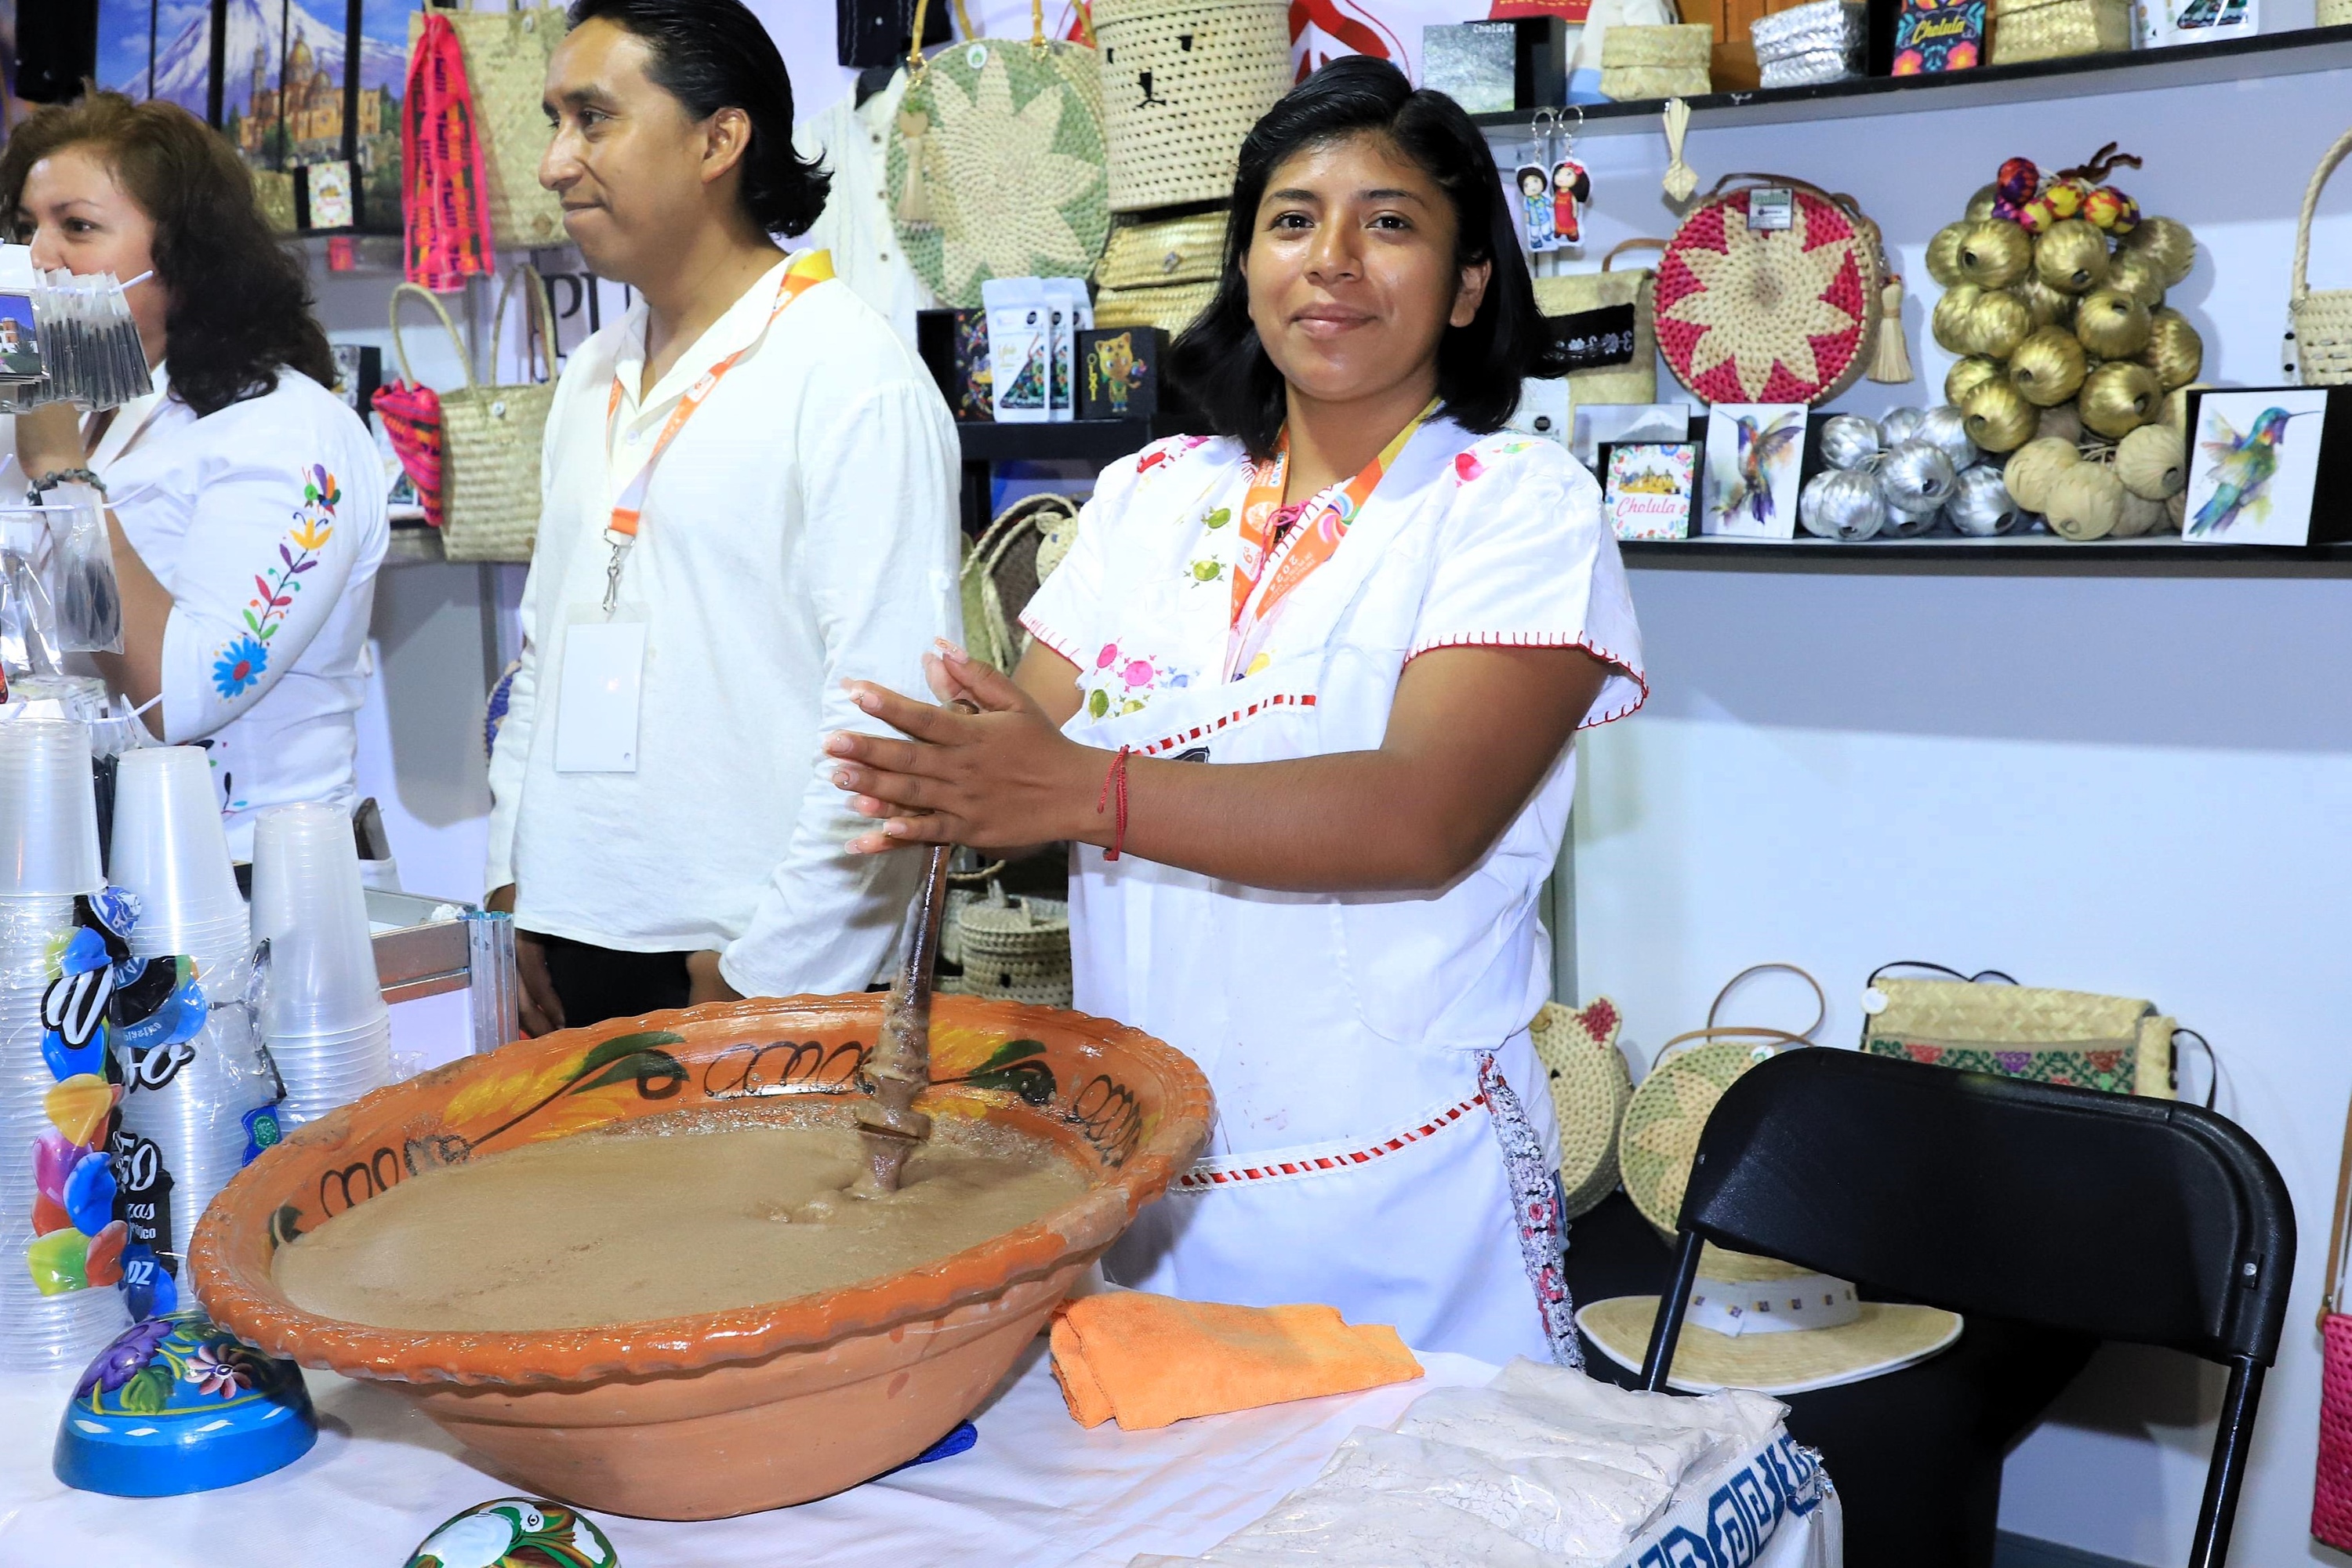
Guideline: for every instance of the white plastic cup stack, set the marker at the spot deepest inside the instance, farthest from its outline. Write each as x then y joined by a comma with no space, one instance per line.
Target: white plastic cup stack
324,1016
170,851
48,853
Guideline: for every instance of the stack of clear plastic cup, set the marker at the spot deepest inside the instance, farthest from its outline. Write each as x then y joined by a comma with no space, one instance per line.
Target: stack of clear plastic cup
324,1016
169,852
48,853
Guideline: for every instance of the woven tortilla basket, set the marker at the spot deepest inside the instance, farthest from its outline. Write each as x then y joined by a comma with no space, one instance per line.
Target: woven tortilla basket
1748,315
1213,66
2323,319
1155,253
1590,1086
1013,950
995,168
2058,29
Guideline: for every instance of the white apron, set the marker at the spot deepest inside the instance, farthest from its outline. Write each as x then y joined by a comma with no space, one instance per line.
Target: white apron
1384,1139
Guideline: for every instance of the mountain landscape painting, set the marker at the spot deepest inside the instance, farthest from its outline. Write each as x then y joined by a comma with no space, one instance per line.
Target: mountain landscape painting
138,38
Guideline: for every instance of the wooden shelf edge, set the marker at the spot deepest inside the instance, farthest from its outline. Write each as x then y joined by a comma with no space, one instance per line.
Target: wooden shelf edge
2294,53
2169,556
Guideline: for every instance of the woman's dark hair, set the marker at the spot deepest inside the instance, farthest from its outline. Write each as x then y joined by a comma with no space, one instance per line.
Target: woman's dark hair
1218,360
240,298
711,55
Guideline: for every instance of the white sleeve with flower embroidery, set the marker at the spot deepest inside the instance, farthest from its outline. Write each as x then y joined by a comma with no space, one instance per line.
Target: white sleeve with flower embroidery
1065,613
1527,561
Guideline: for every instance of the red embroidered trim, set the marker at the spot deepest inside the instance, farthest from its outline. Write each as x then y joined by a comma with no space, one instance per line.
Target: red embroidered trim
1200,1180
1546,639
1052,639
1185,737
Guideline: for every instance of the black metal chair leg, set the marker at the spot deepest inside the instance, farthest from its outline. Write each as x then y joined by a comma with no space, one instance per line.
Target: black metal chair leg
1668,1328
2226,1473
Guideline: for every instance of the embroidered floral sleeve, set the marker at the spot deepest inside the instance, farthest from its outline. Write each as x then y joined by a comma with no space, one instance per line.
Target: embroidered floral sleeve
265,568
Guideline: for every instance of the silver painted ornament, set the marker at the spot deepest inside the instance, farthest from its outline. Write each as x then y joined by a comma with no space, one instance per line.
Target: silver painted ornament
1981,506
1897,426
1842,503
1848,441
1916,477
1947,430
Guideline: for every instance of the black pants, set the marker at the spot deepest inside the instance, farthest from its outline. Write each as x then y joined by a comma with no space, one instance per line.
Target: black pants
599,982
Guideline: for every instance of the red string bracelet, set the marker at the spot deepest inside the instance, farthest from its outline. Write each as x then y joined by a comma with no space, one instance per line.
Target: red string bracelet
1115,779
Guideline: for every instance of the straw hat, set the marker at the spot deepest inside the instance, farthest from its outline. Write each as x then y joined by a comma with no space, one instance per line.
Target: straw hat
1590,1086
1761,1325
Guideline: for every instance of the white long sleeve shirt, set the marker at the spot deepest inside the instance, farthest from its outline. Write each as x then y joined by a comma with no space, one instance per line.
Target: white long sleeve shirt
800,531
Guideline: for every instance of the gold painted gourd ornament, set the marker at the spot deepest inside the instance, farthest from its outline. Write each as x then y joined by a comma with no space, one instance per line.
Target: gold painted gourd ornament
2050,308
2136,274
2153,462
2112,324
1994,253
1967,374
2072,256
2085,502
2174,349
2118,398
1996,323
2048,367
1998,419
1944,254
2168,243
2035,466
1948,323
2065,421
1981,204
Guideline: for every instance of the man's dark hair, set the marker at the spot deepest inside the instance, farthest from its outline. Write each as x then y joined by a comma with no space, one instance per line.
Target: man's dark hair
711,55
1219,360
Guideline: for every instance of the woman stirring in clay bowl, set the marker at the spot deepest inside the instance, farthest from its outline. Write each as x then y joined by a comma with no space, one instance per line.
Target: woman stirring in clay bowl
1379,619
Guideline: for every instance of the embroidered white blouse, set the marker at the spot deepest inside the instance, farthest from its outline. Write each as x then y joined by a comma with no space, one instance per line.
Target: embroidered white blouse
265,522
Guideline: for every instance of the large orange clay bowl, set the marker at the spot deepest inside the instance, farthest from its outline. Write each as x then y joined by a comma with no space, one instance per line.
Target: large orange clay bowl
724,1413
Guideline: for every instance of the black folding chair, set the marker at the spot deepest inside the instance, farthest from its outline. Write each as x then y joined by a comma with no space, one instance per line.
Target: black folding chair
2144,1220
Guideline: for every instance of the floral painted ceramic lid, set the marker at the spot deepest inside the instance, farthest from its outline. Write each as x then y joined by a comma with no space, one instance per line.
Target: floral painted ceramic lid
176,1404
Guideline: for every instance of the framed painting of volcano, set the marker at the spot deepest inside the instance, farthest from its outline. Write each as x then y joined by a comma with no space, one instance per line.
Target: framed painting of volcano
158,49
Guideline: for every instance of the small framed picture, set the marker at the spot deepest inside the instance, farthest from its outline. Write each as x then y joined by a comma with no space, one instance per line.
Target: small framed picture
2254,466
1649,488
1754,454
20,339
327,188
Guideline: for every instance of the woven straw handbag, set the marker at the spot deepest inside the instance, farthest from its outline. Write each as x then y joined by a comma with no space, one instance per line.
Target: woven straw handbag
1575,293
1656,62
491,436
1590,1086
2323,321
1156,253
507,53
1001,570
1182,82
1771,315
1171,309
2334,14
996,168
1013,950
2026,31
1659,1136
2120,1044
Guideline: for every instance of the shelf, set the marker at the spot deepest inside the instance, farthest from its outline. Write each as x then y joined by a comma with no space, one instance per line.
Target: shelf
414,544
2272,55
1096,441
2166,556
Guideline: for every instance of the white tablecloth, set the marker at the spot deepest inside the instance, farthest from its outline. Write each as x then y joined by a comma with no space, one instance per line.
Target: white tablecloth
1037,1491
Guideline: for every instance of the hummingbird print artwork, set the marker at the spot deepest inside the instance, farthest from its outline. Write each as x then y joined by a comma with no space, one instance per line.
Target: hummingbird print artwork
2243,469
517,1532
1765,446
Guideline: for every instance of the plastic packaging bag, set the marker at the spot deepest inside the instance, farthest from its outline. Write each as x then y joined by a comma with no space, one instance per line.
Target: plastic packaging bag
82,588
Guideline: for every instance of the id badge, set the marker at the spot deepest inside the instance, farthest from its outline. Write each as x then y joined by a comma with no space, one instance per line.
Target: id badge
597,701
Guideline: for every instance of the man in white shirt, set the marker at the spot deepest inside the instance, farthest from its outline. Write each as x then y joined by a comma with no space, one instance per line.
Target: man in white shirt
749,498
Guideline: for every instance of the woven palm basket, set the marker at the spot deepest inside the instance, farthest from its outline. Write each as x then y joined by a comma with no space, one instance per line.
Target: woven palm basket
1750,315
1590,1086
1659,1137
2026,31
1013,950
1170,309
1182,82
1156,253
996,166
2323,319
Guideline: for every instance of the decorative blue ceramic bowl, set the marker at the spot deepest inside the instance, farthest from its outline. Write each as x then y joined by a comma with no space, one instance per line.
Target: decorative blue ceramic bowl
176,1404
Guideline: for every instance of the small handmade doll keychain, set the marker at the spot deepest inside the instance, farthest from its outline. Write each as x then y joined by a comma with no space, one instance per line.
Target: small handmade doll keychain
1533,179
1571,188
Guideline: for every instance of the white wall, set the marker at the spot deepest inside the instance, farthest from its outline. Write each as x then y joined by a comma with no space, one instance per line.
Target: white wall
2134,783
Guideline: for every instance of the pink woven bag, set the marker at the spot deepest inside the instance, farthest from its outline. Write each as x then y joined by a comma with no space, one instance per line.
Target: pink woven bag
2331,1491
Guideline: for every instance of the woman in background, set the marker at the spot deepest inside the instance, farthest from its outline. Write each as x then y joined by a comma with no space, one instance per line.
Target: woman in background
245,501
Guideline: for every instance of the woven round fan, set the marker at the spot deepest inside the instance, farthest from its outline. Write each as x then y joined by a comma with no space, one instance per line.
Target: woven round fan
996,170
1590,1086
1659,1134
1750,314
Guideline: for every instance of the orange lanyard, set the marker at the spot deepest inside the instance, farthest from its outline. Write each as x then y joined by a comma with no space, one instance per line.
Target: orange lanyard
1321,525
807,269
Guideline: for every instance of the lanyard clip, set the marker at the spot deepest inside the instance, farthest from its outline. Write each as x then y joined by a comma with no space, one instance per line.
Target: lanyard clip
620,543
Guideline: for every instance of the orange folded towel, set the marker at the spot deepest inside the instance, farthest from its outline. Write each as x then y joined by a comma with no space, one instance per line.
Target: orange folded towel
1150,1360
